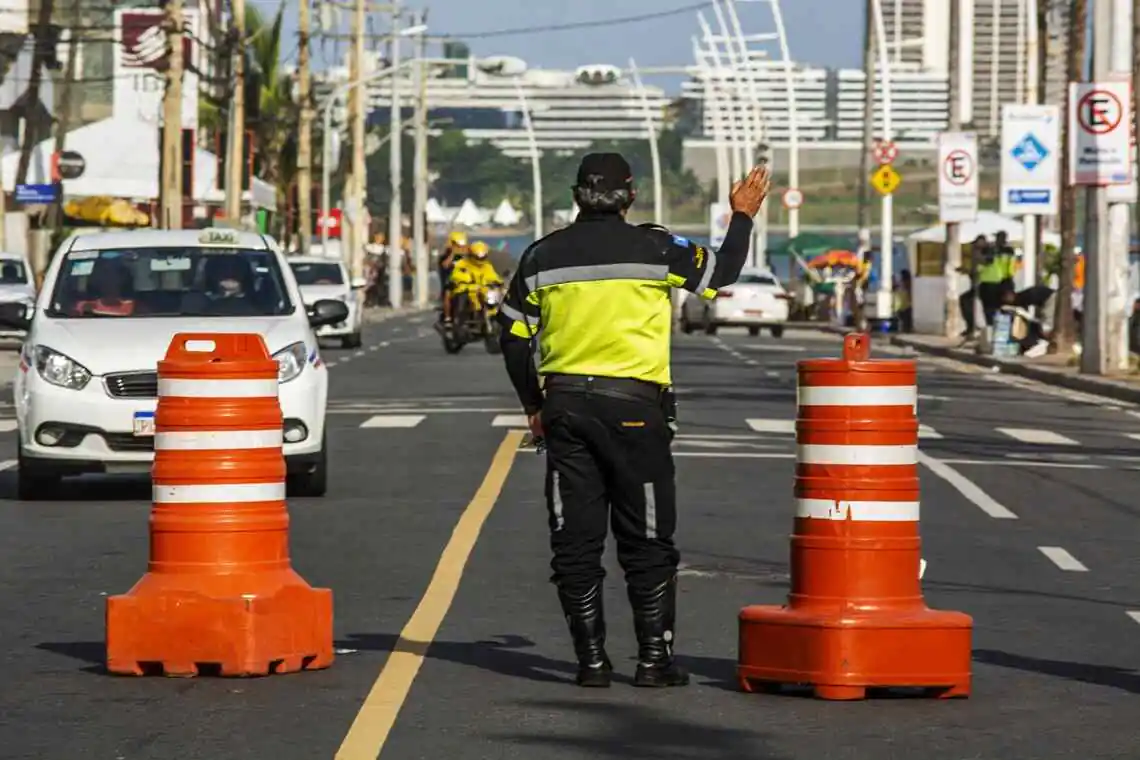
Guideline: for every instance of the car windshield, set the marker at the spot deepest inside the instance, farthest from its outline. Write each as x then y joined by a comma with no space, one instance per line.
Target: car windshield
757,279
170,282
309,273
13,273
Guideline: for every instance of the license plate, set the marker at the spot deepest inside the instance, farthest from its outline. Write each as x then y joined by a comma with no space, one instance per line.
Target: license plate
754,312
144,423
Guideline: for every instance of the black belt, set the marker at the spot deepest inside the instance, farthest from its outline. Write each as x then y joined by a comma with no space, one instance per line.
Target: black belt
626,386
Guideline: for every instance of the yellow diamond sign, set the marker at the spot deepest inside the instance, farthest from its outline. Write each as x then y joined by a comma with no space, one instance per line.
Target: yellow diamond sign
885,179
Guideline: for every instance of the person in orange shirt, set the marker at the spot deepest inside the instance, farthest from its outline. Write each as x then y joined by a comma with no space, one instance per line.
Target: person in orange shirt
110,283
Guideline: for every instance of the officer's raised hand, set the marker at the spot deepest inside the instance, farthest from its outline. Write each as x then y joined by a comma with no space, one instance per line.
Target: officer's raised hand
749,193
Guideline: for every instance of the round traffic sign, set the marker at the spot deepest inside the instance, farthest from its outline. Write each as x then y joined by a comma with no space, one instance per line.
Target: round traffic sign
793,198
71,165
1099,112
958,167
886,152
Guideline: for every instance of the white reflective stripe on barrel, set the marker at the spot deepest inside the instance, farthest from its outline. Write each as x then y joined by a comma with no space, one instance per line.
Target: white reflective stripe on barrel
855,395
204,440
220,493
858,511
843,454
243,388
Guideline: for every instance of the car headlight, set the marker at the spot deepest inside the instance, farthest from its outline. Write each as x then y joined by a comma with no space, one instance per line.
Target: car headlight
291,361
59,369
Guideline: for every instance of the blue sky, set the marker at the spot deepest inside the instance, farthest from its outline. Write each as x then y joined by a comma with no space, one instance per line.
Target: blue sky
821,32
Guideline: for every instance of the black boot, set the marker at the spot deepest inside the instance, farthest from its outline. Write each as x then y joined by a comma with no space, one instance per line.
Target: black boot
654,613
585,615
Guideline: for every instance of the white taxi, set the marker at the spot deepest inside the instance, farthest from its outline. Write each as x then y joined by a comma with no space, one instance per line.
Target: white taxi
85,391
321,278
756,300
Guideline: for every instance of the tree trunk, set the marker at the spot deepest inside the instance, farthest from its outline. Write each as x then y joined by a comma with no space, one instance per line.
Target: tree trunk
39,53
1064,333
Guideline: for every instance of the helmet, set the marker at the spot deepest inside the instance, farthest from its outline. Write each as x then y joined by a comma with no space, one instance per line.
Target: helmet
457,239
479,249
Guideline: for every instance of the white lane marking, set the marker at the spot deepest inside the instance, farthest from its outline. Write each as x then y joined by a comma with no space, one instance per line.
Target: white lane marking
966,487
717,437
416,410
385,343
1133,436
510,420
843,454
1025,463
1033,435
330,365
397,329
771,373
772,426
733,455
345,359
778,349
858,511
1062,559
925,431
393,421
856,395
7,426
7,464
1134,615
374,348
752,362
359,353
927,397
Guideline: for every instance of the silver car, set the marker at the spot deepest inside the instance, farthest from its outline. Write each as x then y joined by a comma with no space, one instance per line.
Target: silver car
16,285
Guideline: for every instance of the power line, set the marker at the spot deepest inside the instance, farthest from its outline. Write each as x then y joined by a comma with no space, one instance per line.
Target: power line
578,25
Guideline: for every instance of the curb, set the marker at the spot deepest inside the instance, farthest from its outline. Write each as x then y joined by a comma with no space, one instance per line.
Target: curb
1108,388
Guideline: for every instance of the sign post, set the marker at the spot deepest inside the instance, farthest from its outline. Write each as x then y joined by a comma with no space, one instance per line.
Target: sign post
957,177
1100,135
1030,172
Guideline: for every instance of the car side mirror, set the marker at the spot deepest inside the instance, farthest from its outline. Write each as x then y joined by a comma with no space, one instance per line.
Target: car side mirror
16,315
359,282
327,311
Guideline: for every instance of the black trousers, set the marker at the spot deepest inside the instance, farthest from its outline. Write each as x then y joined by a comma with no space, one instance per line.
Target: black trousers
966,307
609,464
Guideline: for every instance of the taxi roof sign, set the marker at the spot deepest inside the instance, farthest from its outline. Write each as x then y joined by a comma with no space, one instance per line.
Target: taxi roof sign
215,236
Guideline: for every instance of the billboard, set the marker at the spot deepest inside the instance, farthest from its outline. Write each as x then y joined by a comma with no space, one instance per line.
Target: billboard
141,61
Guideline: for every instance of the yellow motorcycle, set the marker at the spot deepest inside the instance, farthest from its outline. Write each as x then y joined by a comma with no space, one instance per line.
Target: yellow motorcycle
473,318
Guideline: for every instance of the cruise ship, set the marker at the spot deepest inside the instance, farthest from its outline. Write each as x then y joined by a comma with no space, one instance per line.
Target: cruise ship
569,109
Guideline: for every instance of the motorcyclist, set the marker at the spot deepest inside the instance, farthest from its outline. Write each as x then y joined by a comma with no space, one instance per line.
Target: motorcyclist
473,271
456,246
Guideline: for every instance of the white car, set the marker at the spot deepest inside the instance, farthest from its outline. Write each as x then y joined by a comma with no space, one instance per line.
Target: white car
756,300
320,279
85,391
16,286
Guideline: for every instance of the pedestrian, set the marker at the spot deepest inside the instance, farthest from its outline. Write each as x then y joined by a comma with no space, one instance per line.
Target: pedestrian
969,297
600,291
995,276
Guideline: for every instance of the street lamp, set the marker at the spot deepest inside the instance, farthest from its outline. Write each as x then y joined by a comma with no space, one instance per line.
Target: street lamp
883,306
713,113
730,98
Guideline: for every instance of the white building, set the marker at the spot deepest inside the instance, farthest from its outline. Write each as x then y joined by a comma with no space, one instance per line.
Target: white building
920,104
569,109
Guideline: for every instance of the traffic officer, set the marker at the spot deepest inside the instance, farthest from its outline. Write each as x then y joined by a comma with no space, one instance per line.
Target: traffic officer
600,291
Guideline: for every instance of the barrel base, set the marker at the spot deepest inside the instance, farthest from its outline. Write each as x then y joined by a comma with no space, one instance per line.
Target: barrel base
842,655
244,625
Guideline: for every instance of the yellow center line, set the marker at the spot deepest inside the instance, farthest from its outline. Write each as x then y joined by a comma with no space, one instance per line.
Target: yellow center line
377,716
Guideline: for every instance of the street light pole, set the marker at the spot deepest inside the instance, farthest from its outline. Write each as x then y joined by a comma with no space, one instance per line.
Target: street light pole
395,171
654,153
535,165
727,100
793,117
885,306
420,175
712,113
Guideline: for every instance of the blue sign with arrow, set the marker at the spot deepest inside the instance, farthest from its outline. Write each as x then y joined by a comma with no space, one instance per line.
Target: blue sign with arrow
1029,152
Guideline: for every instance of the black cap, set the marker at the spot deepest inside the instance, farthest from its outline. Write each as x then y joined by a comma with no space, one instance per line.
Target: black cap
605,172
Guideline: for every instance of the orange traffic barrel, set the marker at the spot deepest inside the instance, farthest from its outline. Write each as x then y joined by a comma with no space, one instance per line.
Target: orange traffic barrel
220,594
855,618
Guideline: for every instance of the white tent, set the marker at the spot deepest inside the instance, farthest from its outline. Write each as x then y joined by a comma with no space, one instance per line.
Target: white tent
506,215
469,215
435,213
987,223
121,158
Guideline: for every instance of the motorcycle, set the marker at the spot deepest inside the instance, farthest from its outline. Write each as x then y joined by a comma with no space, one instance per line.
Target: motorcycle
473,319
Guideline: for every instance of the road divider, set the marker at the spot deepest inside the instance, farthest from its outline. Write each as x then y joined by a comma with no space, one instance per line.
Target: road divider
855,618
220,594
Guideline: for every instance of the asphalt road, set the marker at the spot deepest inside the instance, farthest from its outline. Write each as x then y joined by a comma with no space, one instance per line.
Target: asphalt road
421,444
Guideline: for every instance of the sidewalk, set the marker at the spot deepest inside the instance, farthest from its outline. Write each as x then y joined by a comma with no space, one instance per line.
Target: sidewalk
1046,369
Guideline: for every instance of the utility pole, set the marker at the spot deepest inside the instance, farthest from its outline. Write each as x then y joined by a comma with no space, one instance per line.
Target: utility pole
953,311
1135,100
305,136
39,52
1042,85
1064,329
170,217
63,123
419,222
357,113
395,170
1105,335
235,141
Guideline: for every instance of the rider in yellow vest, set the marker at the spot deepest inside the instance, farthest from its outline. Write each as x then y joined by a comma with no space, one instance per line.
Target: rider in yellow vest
472,272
